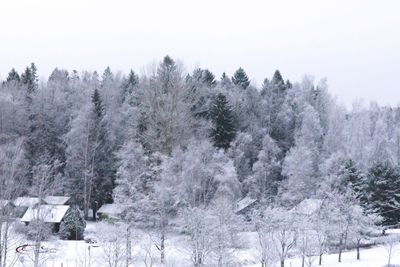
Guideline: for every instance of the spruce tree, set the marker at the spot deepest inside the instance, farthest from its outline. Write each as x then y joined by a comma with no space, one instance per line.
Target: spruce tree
381,192
13,76
279,124
240,78
225,81
30,78
72,226
224,129
102,155
208,78
128,88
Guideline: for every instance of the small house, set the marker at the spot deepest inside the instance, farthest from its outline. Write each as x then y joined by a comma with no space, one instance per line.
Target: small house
50,214
110,211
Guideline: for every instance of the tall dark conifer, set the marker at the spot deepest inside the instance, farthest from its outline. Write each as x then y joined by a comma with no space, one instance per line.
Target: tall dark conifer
103,158
224,124
13,76
128,88
240,78
381,192
30,78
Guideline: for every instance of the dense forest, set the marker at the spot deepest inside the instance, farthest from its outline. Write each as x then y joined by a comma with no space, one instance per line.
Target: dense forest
173,146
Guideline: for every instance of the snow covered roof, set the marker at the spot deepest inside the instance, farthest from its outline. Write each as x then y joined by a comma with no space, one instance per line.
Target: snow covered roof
56,200
244,203
307,206
111,209
48,213
26,201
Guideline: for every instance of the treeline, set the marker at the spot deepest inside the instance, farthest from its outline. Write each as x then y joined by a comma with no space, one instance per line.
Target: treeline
169,140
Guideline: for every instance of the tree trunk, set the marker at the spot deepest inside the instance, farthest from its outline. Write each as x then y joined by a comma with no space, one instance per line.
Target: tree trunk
5,244
282,263
340,249
302,261
320,259
36,253
358,249
85,204
162,247
128,246
1,244
85,184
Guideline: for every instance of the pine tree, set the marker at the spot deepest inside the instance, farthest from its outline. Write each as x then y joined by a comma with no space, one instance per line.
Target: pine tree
225,81
43,144
224,129
128,87
30,78
91,163
276,112
382,192
266,171
102,155
167,73
13,76
72,226
240,78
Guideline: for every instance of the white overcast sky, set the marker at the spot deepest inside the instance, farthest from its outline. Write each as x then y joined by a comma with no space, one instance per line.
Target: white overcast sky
354,44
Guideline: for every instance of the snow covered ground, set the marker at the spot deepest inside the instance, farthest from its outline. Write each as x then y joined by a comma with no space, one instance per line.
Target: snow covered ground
80,253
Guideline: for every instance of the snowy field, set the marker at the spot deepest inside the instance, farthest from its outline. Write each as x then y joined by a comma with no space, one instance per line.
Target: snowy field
80,253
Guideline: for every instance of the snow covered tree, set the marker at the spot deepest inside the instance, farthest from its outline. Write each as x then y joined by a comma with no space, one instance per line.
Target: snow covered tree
44,183
284,233
266,171
103,161
30,79
212,233
12,167
13,76
243,151
199,174
135,188
240,79
225,81
201,84
340,173
72,226
167,120
268,253
381,192
129,86
197,222
112,242
135,179
91,163
363,226
346,218
278,115
301,163
321,223
226,227
224,127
